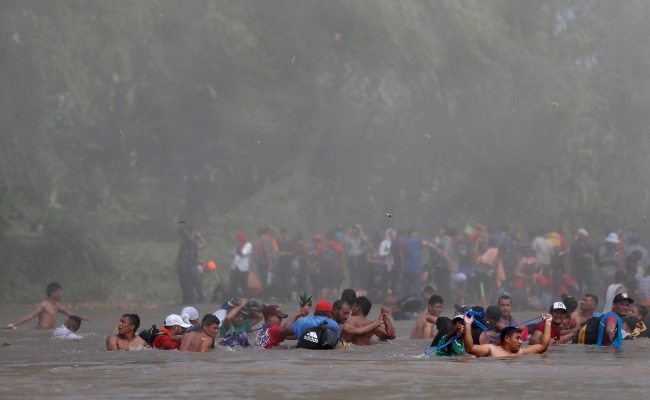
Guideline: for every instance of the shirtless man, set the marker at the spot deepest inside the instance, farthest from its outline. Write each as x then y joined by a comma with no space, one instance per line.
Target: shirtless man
423,328
587,307
510,342
201,341
360,311
126,338
47,310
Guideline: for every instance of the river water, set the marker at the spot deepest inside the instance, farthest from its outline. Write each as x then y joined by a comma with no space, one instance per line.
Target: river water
34,365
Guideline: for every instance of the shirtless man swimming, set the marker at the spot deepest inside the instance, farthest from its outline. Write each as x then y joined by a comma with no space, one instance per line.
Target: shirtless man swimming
201,341
358,319
510,342
46,311
423,328
126,338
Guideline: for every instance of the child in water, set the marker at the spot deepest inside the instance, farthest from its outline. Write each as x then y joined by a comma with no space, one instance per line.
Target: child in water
69,329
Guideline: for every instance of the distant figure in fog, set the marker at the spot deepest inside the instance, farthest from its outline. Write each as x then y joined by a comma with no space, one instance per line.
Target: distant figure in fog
126,338
188,268
615,288
46,311
239,270
202,340
635,240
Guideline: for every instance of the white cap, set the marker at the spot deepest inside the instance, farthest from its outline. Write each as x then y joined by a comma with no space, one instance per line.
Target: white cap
174,319
558,305
221,314
190,312
583,232
612,238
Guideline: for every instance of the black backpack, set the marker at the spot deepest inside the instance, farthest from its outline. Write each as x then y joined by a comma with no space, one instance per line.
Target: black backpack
329,258
321,337
588,331
148,335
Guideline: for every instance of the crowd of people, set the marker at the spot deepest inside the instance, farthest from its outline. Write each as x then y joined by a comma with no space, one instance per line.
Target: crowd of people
477,265
491,331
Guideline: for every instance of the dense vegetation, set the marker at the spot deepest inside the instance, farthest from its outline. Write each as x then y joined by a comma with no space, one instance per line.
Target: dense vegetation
236,114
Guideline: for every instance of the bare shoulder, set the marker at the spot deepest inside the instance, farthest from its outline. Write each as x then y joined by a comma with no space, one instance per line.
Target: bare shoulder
138,341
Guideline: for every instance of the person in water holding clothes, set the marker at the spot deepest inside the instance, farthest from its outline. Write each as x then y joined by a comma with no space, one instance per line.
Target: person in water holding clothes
510,341
171,334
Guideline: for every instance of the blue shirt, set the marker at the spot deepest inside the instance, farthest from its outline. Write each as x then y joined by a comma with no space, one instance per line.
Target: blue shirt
312,322
412,246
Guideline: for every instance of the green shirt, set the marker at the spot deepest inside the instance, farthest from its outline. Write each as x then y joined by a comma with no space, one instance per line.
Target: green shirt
246,326
455,348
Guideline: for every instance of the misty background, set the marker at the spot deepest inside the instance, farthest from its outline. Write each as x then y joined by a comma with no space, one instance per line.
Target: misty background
115,115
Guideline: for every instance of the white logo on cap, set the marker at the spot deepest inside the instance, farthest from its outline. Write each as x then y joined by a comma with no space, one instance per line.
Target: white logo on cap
624,295
559,305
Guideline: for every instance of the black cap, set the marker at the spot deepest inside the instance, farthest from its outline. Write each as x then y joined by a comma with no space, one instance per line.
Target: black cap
462,309
622,297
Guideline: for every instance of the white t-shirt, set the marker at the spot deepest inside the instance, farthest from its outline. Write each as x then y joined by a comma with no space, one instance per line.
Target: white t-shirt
609,297
64,333
241,262
543,250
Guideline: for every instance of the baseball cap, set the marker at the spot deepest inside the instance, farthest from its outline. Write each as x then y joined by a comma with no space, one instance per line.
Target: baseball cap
273,310
190,312
323,306
221,314
460,308
612,238
583,232
457,317
174,319
622,297
558,305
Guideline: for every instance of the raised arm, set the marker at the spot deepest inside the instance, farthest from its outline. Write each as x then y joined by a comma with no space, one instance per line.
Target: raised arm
287,330
69,313
480,350
28,317
546,338
256,317
388,332
233,311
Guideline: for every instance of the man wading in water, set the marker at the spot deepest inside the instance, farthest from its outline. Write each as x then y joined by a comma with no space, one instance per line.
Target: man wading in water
510,341
201,341
126,339
47,310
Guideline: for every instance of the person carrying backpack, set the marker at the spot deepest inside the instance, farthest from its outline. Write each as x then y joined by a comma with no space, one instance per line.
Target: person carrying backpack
330,257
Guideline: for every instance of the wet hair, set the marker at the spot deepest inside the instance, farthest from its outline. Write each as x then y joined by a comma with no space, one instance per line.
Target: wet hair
331,235
435,299
411,231
51,288
428,289
76,322
635,257
339,304
504,297
364,303
508,331
620,276
134,319
209,319
349,295
493,313
593,296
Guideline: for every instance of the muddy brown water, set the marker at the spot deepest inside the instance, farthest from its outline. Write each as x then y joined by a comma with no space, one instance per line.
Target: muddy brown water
33,365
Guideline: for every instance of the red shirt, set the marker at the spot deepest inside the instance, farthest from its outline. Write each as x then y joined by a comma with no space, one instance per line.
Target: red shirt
555,332
606,341
337,247
269,336
163,341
